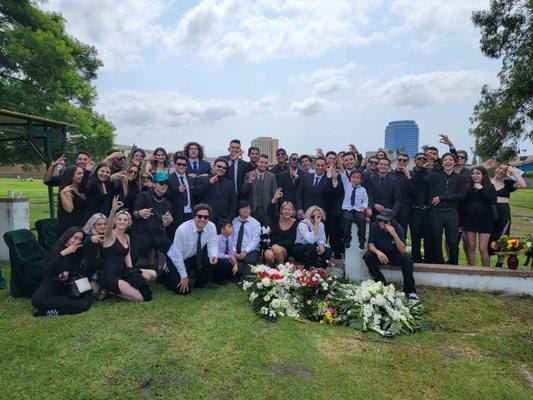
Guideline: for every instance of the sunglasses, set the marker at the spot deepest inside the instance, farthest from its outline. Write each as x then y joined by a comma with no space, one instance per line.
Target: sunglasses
202,216
164,183
373,162
402,159
221,166
119,158
461,157
421,159
181,164
132,172
146,178
294,159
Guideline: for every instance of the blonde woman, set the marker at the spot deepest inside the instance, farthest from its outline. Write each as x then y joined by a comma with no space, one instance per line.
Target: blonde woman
283,233
310,245
92,250
118,274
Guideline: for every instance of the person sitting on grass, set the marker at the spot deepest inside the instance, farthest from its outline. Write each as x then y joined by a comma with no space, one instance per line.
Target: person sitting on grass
227,267
310,244
118,274
52,296
386,245
194,250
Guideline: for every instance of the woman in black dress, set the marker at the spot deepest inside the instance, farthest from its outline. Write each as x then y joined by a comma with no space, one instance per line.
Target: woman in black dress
117,260
99,192
477,217
283,230
51,298
128,186
92,250
71,202
504,185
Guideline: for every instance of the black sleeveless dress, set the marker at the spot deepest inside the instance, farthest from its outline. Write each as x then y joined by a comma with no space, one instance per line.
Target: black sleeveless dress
66,220
114,266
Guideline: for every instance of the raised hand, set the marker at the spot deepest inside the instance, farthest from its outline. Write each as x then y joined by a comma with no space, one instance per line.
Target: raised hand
213,179
353,149
116,204
278,194
97,239
71,249
60,160
252,176
444,139
90,164
145,213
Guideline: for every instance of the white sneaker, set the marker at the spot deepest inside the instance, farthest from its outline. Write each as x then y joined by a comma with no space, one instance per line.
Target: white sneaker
413,296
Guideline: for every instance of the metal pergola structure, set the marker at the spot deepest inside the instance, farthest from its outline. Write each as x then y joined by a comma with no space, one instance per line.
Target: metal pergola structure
37,132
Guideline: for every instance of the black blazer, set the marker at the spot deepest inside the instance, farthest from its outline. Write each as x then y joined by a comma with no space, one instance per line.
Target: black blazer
242,168
289,185
387,194
307,195
203,167
178,198
220,196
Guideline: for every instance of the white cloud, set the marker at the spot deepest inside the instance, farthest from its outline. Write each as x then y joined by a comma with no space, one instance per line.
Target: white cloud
257,31
172,109
308,107
120,30
436,21
330,85
325,73
420,90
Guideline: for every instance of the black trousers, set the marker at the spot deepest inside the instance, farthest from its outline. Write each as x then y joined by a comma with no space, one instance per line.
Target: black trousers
420,225
172,278
224,271
447,221
335,234
51,297
405,262
403,217
308,255
245,265
360,220
140,244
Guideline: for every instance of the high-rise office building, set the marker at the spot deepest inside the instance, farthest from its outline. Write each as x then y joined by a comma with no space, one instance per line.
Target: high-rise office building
402,135
267,145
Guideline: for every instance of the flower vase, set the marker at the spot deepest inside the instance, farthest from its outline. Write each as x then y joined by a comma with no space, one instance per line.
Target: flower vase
512,261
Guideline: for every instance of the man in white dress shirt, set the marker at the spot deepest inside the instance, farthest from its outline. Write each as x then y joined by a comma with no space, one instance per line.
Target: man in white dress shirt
246,232
195,248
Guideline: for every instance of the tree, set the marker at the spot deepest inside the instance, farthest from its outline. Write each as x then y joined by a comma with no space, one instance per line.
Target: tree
46,72
503,116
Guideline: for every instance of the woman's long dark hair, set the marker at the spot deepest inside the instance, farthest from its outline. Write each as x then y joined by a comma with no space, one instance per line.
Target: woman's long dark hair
66,180
200,150
166,163
485,180
126,181
136,150
94,176
69,232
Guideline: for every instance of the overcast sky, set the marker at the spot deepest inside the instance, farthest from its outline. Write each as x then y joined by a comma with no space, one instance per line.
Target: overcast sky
311,73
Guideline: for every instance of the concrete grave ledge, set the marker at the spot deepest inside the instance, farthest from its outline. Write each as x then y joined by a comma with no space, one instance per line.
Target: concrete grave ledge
485,279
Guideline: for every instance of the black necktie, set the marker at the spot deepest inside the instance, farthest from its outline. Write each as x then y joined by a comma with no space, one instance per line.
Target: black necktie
239,237
227,247
186,193
195,166
382,180
316,181
352,198
199,251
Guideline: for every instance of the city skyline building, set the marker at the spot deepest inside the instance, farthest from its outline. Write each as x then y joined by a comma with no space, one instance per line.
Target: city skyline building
267,145
402,135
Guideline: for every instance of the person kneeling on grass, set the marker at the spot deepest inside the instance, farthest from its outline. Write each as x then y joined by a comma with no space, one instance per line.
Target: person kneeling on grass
52,296
386,245
195,248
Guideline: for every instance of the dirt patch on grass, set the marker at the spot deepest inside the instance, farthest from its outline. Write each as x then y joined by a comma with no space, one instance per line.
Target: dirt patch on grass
286,370
342,346
456,351
527,375
146,388
112,381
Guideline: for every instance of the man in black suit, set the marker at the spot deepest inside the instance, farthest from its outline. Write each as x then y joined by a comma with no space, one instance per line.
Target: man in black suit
383,190
237,168
218,192
196,166
180,194
282,165
290,180
314,188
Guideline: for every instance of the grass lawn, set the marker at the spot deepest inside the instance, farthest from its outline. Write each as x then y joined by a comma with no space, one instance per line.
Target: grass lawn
210,345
